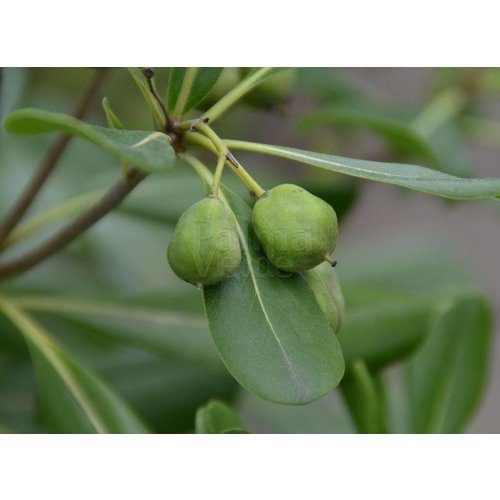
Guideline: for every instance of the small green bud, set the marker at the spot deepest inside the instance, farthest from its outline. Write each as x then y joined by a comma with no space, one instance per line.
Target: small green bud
324,297
331,280
205,247
296,229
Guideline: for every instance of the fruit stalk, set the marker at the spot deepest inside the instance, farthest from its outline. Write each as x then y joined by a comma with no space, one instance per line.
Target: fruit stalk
211,141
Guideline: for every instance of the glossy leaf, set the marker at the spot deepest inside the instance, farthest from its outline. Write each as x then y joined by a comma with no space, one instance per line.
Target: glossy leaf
217,418
363,399
269,329
73,398
405,175
447,376
148,151
203,83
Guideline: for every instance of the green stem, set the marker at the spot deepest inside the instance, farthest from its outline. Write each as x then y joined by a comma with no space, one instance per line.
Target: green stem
63,210
217,145
254,147
187,85
235,95
218,174
197,139
208,132
202,171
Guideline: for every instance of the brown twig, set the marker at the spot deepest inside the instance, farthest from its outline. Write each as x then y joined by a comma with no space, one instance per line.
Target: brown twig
113,197
49,163
149,74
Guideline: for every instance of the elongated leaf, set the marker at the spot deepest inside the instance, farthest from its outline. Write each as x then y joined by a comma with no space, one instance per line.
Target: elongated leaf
363,399
269,329
385,331
447,376
73,398
203,82
217,418
154,106
111,118
405,175
148,151
160,329
255,77
397,133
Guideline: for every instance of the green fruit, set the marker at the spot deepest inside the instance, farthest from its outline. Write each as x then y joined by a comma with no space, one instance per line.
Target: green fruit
205,247
324,297
296,229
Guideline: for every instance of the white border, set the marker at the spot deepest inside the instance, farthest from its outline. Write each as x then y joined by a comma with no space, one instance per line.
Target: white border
249,467
249,33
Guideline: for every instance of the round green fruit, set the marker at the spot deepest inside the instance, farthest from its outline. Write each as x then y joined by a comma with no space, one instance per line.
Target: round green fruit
296,229
205,247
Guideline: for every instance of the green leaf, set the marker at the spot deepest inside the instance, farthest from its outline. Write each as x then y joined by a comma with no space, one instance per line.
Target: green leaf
166,394
73,398
159,328
217,418
405,175
400,136
384,331
255,77
12,86
204,81
269,329
447,377
111,118
363,399
148,151
154,106
18,410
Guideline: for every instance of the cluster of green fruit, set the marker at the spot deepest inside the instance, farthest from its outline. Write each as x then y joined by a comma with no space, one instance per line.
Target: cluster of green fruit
297,231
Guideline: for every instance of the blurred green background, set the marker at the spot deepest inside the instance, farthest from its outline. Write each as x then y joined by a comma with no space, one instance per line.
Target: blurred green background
389,237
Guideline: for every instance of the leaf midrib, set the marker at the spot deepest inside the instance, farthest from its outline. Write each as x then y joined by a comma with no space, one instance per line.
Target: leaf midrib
391,178
248,258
